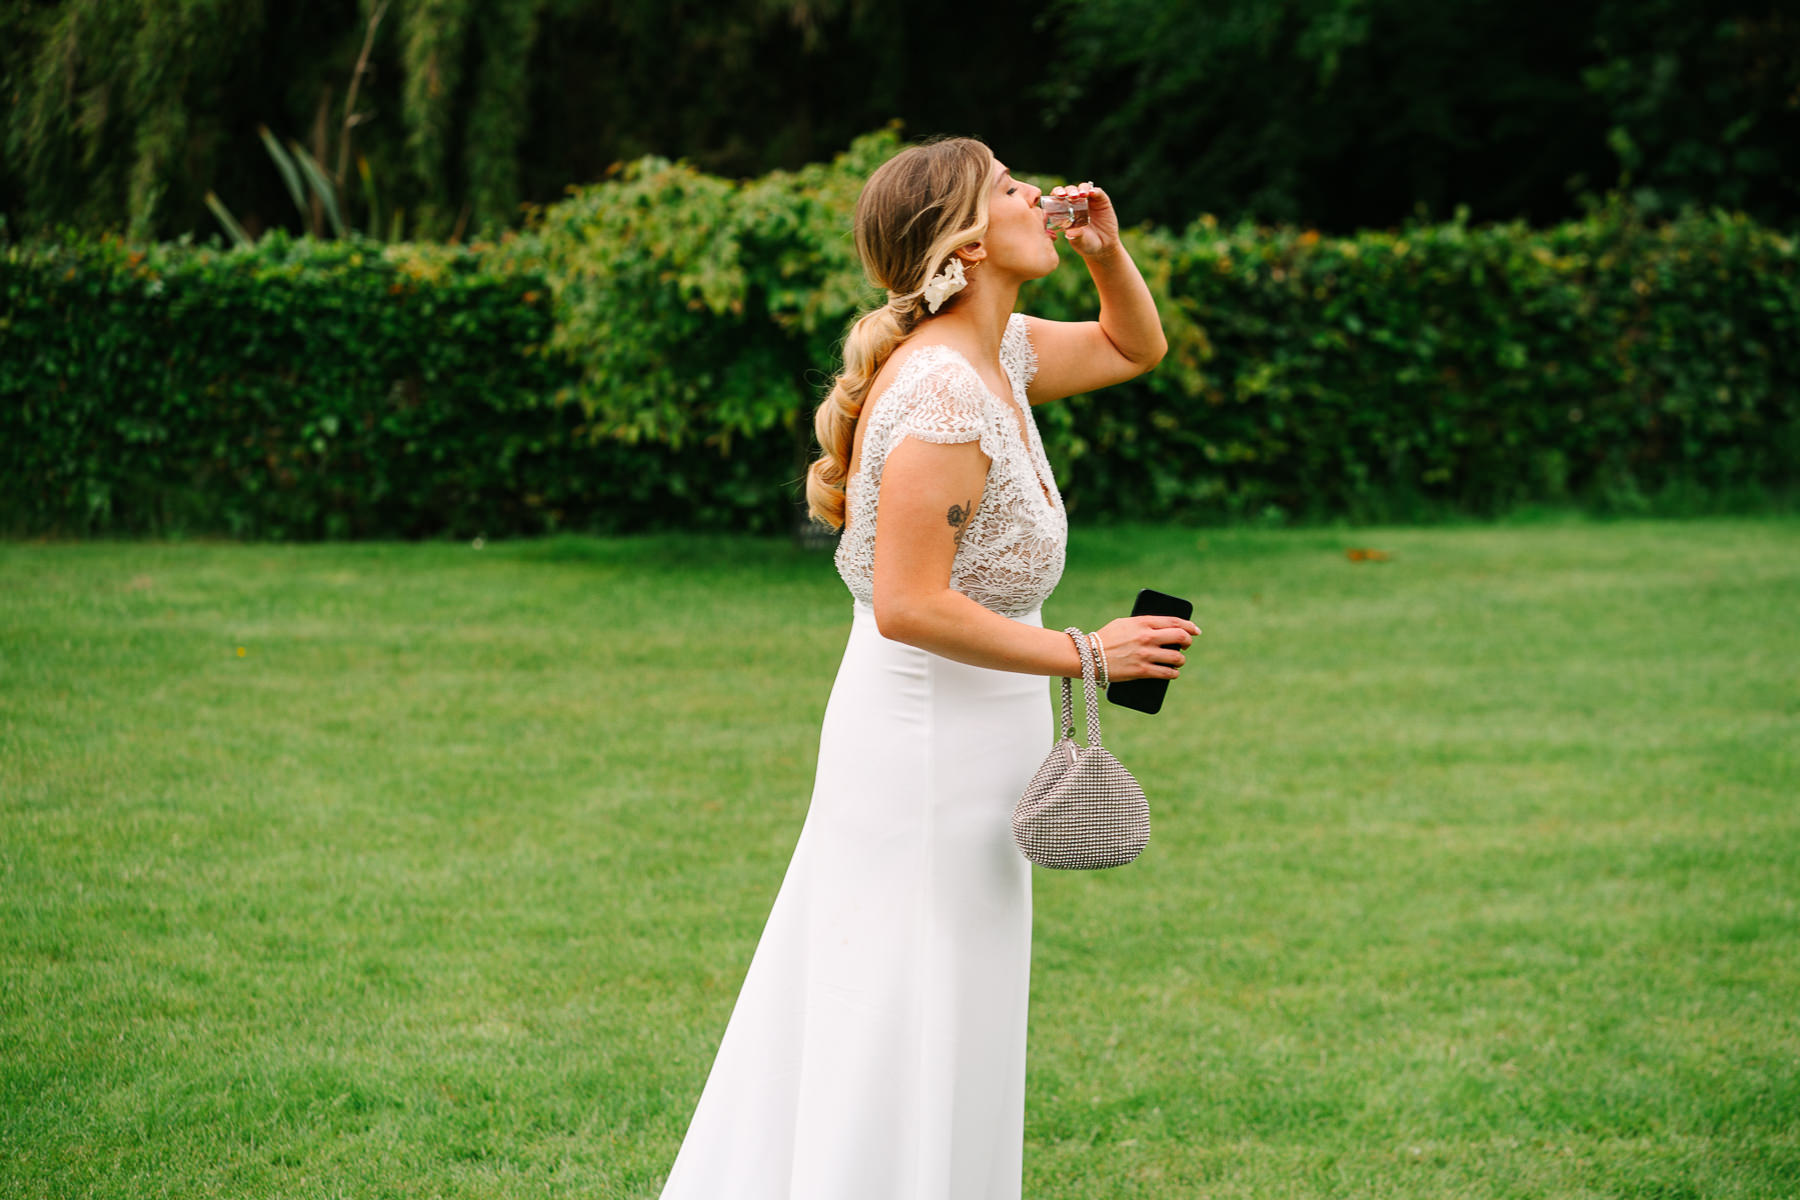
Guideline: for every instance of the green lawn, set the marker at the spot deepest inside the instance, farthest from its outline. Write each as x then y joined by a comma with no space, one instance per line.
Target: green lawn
1476,871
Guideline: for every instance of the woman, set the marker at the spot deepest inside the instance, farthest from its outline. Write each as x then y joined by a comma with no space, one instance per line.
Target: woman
877,1049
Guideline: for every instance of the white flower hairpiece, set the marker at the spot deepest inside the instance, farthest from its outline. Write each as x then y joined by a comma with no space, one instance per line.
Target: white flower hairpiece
945,284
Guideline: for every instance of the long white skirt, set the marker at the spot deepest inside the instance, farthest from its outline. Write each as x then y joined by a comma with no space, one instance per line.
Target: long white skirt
877,1049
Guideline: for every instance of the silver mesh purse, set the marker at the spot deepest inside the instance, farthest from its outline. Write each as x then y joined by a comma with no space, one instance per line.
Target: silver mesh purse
1082,810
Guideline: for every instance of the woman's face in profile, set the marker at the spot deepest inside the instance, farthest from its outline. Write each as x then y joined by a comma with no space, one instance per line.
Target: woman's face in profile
1017,241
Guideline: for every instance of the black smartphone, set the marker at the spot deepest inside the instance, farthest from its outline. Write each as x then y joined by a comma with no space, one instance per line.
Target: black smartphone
1146,695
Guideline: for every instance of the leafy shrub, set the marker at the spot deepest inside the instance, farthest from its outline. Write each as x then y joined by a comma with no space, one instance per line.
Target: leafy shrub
1448,369
292,389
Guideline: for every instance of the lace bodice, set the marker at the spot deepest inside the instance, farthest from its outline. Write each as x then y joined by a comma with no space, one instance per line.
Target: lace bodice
1011,555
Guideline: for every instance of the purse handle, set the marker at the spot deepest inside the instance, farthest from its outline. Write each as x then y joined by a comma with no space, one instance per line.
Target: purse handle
1090,693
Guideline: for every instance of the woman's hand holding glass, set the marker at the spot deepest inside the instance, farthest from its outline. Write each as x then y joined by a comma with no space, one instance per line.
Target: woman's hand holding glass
1101,233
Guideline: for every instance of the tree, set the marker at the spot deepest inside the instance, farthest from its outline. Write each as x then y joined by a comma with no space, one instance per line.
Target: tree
1352,113
128,111
1703,103
1340,114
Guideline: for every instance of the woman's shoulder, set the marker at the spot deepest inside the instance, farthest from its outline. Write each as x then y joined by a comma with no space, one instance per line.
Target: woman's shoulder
932,393
920,359
925,372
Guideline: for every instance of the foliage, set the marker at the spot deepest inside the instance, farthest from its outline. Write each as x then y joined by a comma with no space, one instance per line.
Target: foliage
130,111
1333,114
1703,103
1459,368
648,354
1345,114
291,389
318,196
696,304
116,98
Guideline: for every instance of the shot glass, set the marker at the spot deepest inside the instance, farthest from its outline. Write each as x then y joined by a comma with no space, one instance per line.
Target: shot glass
1062,212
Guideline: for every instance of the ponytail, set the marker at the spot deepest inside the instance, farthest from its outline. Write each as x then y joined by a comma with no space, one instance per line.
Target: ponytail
870,343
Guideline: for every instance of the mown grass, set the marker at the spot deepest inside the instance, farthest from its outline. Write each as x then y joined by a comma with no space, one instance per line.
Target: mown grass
1476,871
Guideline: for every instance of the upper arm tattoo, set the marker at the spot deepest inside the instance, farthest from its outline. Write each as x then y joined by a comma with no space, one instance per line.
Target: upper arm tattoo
958,516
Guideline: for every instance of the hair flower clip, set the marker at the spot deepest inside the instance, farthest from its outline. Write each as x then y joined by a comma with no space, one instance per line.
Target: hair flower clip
945,284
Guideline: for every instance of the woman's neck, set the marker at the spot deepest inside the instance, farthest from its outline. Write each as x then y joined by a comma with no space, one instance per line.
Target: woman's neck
978,321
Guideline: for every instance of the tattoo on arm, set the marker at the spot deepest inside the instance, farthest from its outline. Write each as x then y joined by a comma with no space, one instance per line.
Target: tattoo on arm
958,516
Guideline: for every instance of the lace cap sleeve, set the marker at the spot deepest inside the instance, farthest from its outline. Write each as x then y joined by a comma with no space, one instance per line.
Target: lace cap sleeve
1017,353
947,405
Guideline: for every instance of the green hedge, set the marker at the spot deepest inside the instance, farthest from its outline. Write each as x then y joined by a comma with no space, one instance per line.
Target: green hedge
648,353
1445,368
297,389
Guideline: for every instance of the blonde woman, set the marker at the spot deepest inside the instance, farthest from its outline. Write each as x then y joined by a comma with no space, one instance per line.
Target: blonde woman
877,1048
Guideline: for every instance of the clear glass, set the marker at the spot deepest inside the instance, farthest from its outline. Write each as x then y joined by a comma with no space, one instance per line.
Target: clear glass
1062,212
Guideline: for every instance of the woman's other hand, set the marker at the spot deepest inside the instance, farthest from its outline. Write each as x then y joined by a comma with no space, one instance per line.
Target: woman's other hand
1135,647
1101,234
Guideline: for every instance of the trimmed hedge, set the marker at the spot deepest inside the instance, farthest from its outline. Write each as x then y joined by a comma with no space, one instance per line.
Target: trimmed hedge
1447,369
648,353
296,389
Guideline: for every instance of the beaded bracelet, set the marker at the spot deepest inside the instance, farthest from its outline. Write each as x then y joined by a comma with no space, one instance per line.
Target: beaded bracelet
1099,658
1077,674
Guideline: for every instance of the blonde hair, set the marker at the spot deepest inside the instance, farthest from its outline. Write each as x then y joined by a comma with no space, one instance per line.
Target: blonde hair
913,214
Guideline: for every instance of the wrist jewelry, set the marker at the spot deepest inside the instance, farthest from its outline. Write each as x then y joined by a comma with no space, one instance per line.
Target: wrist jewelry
1072,638
1099,658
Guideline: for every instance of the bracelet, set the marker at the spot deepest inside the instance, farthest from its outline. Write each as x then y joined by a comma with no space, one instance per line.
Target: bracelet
1074,636
1099,657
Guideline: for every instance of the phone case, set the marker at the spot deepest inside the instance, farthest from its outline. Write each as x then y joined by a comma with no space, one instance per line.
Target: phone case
1146,695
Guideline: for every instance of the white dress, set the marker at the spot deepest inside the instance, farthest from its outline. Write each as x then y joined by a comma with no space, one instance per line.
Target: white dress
877,1048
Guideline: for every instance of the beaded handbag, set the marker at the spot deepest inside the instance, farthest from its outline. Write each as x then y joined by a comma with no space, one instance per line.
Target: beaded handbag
1083,810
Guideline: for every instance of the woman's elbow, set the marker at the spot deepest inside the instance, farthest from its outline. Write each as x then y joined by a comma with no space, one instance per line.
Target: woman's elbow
891,618
1148,362
898,618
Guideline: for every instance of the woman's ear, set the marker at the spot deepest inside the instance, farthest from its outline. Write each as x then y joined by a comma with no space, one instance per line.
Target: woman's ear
972,253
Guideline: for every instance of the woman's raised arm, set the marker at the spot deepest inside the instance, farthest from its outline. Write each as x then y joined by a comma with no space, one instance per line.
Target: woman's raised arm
1127,340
